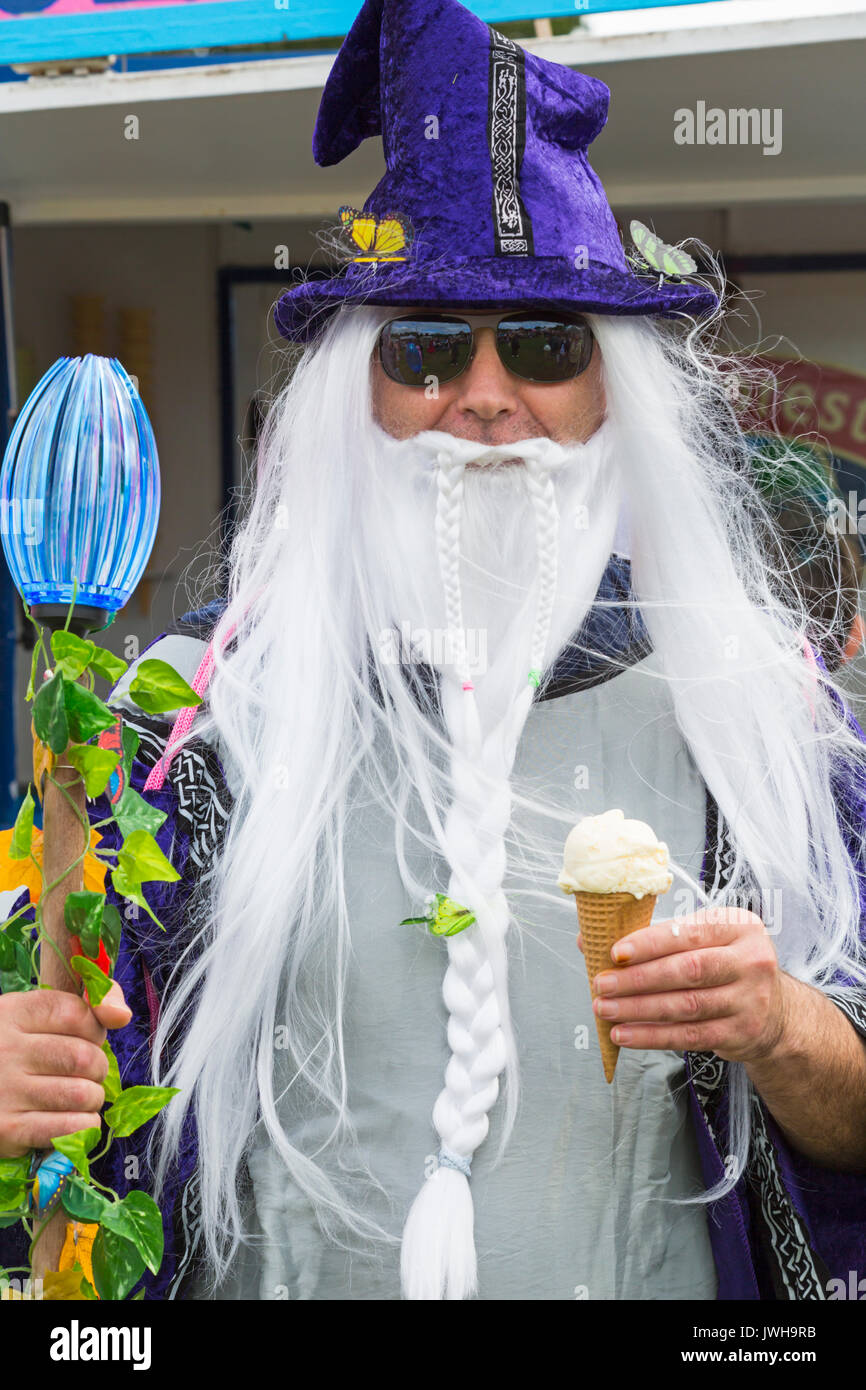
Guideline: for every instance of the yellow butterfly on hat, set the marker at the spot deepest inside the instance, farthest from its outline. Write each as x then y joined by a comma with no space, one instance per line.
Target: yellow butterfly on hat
379,239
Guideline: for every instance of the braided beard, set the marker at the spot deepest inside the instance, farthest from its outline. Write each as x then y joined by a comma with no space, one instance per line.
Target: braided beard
490,548
498,552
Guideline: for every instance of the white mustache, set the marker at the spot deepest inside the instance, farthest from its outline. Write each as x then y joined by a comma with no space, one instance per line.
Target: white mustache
467,451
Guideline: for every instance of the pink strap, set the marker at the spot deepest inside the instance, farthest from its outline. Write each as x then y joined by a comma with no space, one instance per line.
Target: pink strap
183,722
152,1000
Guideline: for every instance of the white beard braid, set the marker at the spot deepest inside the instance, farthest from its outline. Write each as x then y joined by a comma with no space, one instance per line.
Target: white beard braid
534,539
498,550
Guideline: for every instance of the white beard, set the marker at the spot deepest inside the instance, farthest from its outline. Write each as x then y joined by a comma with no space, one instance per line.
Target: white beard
498,550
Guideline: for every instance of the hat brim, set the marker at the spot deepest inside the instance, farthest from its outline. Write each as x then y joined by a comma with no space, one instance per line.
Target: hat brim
495,283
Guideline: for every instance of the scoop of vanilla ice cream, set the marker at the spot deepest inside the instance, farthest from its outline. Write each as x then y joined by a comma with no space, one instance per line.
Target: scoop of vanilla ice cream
609,854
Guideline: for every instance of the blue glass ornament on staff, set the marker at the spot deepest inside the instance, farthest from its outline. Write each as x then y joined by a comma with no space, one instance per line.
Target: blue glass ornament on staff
82,458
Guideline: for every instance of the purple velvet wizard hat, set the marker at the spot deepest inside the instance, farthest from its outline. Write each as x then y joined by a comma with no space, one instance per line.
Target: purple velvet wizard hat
487,182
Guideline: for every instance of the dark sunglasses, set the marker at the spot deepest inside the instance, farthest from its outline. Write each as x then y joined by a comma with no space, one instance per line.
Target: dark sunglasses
536,347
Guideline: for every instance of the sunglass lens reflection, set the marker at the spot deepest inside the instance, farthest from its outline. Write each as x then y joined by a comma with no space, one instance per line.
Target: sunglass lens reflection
544,349
413,350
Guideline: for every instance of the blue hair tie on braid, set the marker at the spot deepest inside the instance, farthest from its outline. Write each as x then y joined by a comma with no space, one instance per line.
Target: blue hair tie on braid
448,1159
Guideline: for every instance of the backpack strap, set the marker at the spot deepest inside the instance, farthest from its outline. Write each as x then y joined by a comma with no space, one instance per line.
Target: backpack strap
185,717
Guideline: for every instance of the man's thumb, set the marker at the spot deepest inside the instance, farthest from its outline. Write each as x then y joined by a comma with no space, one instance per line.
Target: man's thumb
113,1011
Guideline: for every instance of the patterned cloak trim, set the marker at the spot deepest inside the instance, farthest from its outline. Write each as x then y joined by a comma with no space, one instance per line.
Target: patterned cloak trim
796,1269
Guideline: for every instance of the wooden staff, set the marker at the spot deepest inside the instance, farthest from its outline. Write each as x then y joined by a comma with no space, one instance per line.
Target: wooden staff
64,840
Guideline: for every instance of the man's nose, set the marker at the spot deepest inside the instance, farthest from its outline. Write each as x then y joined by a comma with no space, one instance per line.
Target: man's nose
486,388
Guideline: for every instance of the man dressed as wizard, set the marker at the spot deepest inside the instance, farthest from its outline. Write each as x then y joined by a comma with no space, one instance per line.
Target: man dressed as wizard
505,565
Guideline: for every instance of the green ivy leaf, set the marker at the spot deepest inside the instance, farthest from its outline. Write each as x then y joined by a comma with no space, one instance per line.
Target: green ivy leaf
82,914
95,765
11,1218
15,1169
86,713
22,834
106,664
82,1201
31,684
98,984
138,1218
17,930
14,1182
15,981
16,971
77,1146
49,714
157,688
117,1265
112,1084
131,888
71,654
128,888
110,932
141,860
135,1106
130,740
11,1195
132,812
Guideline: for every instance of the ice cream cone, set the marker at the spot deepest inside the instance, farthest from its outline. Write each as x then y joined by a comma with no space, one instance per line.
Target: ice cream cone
616,867
603,919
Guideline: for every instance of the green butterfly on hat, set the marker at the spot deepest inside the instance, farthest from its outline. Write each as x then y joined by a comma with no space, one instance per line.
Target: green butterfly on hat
671,262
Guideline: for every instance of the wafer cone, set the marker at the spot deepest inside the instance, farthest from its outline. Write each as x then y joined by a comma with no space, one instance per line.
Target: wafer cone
603,919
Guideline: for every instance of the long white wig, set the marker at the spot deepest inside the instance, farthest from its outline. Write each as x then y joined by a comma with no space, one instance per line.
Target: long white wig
305,690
